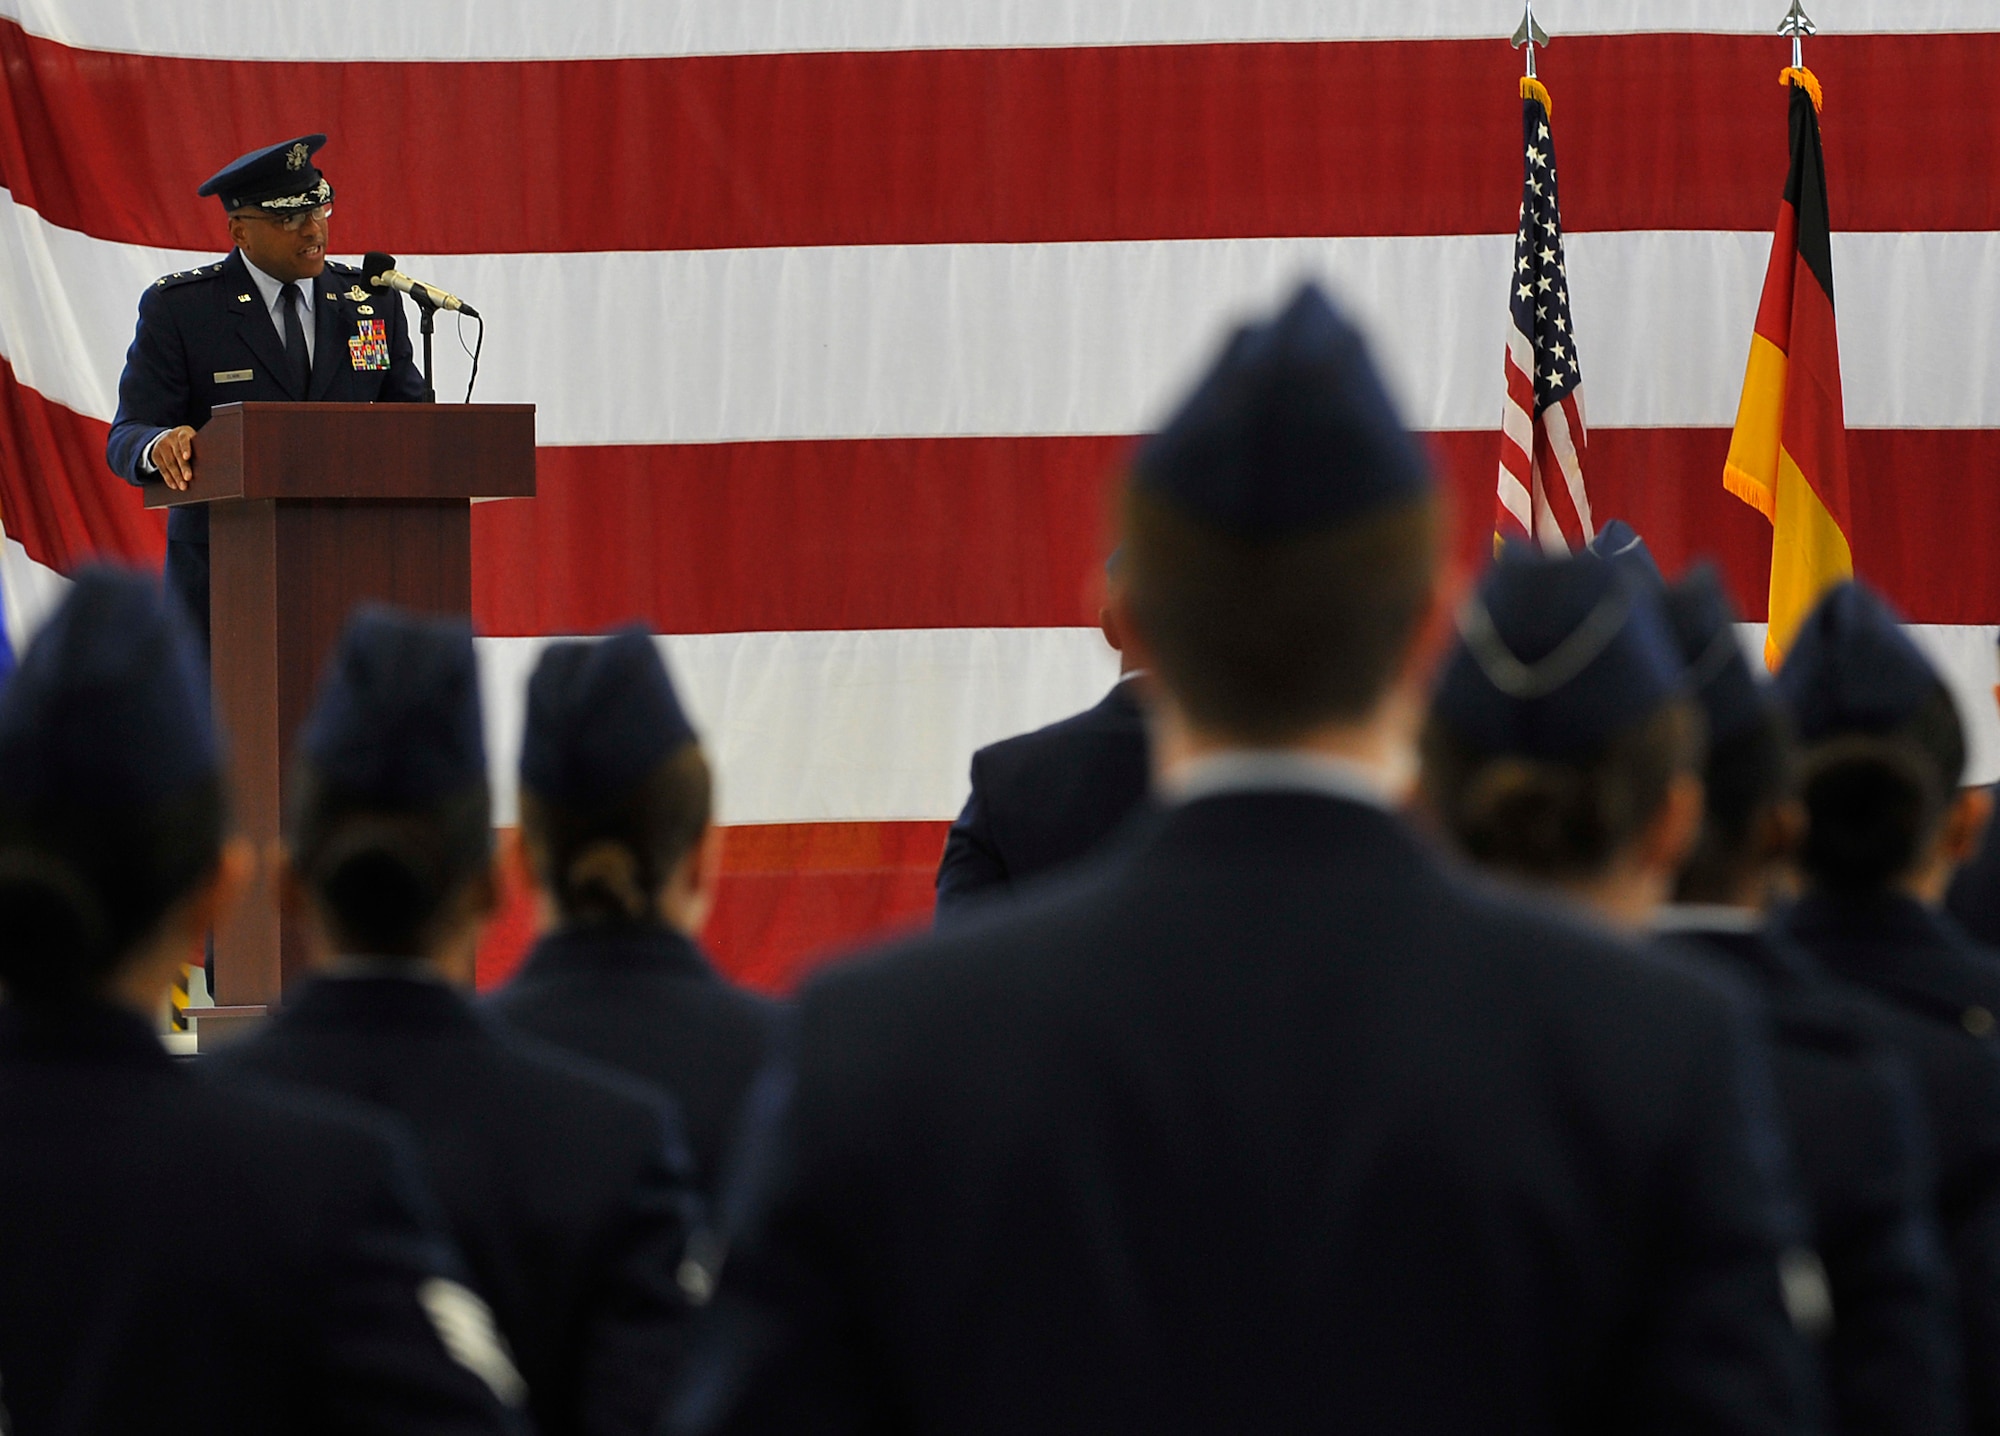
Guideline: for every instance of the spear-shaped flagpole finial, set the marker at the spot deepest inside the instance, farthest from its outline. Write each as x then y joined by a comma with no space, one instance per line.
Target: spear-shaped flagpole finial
1798,25
1531,34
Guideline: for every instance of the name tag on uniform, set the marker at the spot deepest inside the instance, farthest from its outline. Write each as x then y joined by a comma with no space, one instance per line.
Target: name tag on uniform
369,348
234,376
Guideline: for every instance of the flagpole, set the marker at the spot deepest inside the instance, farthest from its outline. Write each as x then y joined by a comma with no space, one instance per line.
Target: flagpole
1532,34
1796,24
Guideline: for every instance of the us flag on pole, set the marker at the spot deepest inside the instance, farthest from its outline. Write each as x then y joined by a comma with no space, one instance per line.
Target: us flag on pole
1543,441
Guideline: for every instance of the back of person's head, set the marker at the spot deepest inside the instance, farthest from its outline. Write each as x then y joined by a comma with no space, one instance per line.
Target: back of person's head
389,823
1884,748
112,807
615,792
1560,719
1280,533
1752,766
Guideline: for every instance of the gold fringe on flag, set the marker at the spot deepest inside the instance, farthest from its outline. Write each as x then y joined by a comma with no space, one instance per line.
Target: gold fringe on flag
1533,89
1805,79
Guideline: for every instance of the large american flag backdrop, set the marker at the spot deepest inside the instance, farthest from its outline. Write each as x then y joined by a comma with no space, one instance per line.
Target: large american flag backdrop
839,315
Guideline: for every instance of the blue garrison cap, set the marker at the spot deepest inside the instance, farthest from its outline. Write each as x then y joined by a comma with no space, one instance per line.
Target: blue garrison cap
1732,697
1852,669
280,178
397,718
1289,432
110,704
1618,542
1555,657
601,716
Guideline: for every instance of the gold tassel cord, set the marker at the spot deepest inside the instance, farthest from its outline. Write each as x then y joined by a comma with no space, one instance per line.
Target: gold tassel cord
1791,75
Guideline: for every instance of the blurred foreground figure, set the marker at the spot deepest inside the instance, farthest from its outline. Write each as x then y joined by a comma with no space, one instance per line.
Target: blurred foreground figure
325,1304
567,1187
1042,800
1564,752
1263,1121
1886,825
1974,898
616,830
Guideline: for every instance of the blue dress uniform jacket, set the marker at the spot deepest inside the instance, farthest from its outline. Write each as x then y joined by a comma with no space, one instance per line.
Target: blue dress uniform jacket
1866,1162
566,1187
307,1317
647,1002
1262,1121
197,330
1921,966
1974,899
1044,799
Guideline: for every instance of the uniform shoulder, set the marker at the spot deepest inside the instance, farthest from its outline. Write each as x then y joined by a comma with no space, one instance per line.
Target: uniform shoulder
276,1137
575,1083
1060,741
183,277
351,276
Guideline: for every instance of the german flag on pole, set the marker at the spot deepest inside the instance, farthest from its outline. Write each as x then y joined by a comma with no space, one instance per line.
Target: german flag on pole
1788,456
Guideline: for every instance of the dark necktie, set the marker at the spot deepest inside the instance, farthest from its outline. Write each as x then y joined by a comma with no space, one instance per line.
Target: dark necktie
296,353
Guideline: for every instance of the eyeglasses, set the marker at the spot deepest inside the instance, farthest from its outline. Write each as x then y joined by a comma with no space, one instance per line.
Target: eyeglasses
292,223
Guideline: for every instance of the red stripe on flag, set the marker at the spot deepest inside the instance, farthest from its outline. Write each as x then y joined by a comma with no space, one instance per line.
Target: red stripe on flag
1171,141
1520,385
1928,495
1774,310
58,500
729,538
1815,433
1555,485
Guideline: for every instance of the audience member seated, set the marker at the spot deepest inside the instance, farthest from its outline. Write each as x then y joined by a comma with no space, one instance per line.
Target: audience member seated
1886,824
1574,773
567,1186
180,1258
618,843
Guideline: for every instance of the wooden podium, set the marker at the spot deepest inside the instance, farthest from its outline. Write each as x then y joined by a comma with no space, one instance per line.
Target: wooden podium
314,508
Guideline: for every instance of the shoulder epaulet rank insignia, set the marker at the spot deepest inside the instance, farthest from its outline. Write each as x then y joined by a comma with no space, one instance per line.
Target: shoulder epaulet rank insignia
188,276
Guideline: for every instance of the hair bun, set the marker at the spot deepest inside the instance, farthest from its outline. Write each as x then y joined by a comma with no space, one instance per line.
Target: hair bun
381,883
1871,803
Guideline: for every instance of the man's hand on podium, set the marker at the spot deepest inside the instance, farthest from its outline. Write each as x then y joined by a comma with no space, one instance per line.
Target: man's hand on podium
173,456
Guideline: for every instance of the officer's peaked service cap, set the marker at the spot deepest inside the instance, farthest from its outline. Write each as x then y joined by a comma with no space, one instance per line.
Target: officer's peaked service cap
397,721
1290,431
1555,657
1732,697
601,716
280,178
109,706
1852,669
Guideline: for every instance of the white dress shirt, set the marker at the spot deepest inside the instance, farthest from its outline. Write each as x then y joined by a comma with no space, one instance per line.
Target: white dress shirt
272,291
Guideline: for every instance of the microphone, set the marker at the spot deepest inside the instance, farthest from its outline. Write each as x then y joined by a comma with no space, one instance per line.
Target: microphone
383,274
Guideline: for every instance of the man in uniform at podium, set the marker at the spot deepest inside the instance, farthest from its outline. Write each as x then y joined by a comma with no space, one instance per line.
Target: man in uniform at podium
275,321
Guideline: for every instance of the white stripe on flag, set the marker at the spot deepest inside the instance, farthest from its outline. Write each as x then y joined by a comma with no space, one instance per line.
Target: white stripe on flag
876,724
1555,423
536,29
895,340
